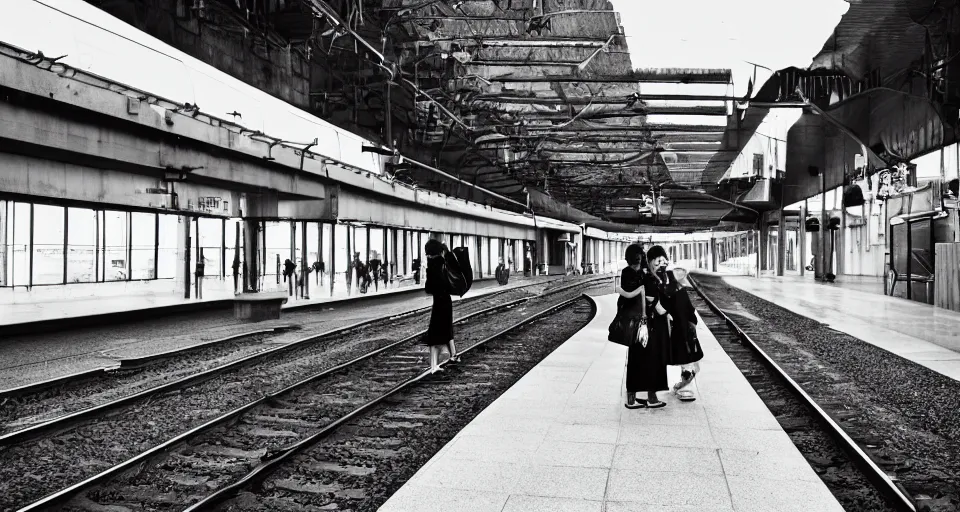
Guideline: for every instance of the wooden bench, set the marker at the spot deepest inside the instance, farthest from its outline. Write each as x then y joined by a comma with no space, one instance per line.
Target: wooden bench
257,307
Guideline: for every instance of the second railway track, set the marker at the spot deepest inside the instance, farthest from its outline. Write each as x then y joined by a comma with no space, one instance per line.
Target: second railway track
857,482
34,469
31,408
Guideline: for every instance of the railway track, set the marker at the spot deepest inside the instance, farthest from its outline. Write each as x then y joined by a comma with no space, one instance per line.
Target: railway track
31,409
856,469
230,395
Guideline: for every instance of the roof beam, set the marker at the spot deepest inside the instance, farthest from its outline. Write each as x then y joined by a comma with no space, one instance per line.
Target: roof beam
602,100
680,128
639,76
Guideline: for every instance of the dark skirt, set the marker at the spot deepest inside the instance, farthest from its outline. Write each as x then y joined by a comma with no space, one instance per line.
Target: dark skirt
647,366
684,344
440,331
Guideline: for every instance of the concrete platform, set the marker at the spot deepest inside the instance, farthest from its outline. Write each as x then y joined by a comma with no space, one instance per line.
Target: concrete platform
924,334
561,440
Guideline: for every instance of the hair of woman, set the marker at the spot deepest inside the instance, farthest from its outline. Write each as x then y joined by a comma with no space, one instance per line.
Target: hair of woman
634,254
433,247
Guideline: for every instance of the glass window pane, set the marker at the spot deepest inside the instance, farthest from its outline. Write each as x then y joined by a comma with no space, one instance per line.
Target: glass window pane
144,236
6,242
343,256
210,240
48,231
20,271
278,250
313,243
81,245
376,244
360,244
167,254
117,266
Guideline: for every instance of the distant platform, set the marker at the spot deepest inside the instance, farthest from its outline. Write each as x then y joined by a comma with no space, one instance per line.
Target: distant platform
561,439
918,332
31,358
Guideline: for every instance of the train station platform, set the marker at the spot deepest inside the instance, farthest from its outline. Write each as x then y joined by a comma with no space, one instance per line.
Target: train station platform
560,439
924,334
29,359
71,304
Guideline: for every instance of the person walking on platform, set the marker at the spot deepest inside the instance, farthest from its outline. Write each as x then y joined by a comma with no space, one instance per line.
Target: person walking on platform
440,331
236,273
646,369
416,270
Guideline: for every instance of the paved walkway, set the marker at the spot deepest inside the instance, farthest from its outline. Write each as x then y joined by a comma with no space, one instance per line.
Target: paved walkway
561,440
924,334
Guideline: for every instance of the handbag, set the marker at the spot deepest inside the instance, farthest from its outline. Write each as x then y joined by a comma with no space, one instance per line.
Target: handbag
621,328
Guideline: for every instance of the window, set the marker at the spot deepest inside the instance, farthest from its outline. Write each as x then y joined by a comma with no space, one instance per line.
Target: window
48,231
81,245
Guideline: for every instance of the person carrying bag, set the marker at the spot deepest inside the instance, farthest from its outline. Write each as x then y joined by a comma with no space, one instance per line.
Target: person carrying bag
646,368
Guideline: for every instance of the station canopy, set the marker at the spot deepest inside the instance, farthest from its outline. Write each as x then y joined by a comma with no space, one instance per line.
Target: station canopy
534,100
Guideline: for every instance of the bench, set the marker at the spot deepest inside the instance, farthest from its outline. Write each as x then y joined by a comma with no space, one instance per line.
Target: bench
257,307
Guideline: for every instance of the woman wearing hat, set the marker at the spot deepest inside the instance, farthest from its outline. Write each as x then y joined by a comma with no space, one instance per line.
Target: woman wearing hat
646,364
656,352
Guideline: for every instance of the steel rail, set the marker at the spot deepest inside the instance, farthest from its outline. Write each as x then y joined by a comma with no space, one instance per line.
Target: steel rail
893,492
76,417
269,466
64,495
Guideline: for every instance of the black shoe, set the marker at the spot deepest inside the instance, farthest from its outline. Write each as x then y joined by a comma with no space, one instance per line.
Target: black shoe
637,404
656,405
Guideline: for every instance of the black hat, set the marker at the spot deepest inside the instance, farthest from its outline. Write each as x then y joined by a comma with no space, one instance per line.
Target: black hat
655,252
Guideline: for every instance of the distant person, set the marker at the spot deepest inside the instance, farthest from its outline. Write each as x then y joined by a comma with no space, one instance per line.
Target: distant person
289,267
416,270
357,265
373,267
278,269
385,273
440,331
201,266
236,273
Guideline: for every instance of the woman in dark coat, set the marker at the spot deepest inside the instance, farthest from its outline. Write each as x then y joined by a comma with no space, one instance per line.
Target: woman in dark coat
440,332
685,349
656,353
646,364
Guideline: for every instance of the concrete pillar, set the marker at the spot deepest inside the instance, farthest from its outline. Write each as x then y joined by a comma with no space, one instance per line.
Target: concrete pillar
251,255
304,264
781,243
713,254
763,246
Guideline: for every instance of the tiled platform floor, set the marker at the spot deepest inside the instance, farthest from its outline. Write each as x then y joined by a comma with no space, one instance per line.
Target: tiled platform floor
921,333
561,440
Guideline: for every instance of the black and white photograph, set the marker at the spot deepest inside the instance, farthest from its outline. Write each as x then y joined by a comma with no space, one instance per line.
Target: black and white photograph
479,255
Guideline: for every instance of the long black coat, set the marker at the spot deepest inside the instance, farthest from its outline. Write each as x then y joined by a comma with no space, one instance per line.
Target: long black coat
684,345
441,316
